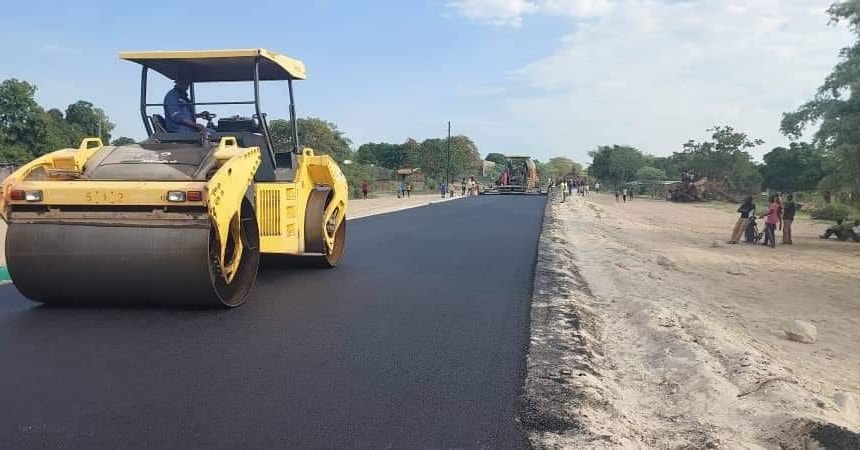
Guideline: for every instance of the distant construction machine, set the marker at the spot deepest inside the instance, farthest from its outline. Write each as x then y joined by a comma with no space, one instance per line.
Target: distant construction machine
519,176
183,217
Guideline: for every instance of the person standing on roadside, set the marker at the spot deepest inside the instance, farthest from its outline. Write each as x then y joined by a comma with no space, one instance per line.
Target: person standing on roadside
789,209
563,191
364,186
746,208
771,222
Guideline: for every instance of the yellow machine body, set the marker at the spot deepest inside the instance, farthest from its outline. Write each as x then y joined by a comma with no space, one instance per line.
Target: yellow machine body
117,224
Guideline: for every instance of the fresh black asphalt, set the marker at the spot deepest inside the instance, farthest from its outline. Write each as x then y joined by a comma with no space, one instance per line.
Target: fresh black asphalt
417,340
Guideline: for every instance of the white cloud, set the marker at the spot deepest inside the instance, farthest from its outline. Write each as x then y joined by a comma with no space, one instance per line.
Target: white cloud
511,12
656,73
500,12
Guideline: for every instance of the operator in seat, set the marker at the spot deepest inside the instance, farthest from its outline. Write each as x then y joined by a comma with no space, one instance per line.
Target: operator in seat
178,110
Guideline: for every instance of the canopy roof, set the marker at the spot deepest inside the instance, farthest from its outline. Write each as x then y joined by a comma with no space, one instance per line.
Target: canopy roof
219,65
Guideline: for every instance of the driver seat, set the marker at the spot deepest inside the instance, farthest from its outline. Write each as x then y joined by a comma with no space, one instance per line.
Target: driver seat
158,123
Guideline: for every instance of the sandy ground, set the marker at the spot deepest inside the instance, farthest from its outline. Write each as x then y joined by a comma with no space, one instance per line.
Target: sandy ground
356,208
663,348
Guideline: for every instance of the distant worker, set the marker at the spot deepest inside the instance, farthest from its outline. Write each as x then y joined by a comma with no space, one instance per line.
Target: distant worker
408,190
364,187
563,190
843,231
789,209
771,222
178,110
463,187
597,188
624,195
746,208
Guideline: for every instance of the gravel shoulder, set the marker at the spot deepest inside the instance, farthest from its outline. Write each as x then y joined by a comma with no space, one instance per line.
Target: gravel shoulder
640,335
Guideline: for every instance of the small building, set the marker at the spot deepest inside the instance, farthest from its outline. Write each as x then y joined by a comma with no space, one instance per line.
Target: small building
487,168
412,174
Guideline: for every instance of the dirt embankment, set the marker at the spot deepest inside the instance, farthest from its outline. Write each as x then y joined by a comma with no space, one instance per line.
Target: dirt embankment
649,331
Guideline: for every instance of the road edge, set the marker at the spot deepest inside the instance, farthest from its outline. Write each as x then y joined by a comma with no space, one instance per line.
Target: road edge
560,344
404,208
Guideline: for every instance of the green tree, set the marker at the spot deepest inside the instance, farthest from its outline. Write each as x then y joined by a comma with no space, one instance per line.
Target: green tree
123,140
431,157
89,120
648,173
59,133
836,106
465,160
616,163
390,156
721,156
797,168
497,158
320,135
22,120
560,166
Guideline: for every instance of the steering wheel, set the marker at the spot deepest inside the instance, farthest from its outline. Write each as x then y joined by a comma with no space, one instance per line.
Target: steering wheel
207,116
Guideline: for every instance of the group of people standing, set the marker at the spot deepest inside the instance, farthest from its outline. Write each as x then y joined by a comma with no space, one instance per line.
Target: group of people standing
779,214
469,187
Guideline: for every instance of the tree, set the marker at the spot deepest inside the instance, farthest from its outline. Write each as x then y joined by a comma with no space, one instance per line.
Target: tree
616,163
648,173
560,166
320,135
497,158
715,159
89,120
390,156
797,168
123,140
22,120
433,158
836,106
59,133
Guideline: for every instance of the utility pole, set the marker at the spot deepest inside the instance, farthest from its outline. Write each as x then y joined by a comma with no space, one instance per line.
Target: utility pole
448,163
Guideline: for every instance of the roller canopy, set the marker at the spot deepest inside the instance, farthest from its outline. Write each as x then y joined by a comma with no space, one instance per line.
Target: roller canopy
219,65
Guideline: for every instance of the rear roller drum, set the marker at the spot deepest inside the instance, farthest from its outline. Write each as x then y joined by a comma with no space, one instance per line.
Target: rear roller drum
317,229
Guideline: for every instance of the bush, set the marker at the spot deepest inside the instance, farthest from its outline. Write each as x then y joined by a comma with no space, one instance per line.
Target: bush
832,211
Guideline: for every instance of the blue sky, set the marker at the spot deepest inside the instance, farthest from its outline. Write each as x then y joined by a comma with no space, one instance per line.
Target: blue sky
546,77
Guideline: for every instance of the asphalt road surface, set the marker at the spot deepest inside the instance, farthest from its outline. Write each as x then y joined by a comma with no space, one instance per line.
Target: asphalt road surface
417,340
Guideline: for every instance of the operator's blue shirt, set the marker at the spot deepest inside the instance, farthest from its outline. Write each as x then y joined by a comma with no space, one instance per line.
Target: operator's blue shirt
176,108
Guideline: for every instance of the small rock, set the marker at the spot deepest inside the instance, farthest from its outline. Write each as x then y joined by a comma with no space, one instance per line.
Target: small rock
736,269
716,244
800,331
665,262
848,406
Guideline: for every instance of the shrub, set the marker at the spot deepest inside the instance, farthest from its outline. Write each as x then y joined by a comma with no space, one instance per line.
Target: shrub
832,211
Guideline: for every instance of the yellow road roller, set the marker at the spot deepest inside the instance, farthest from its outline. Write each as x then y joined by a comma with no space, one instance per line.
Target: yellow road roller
183,217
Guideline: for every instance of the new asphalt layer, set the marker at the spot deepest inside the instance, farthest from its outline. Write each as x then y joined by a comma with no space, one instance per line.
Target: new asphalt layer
417,340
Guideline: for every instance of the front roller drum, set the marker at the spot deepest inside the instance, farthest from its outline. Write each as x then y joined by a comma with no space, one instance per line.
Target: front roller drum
126,265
